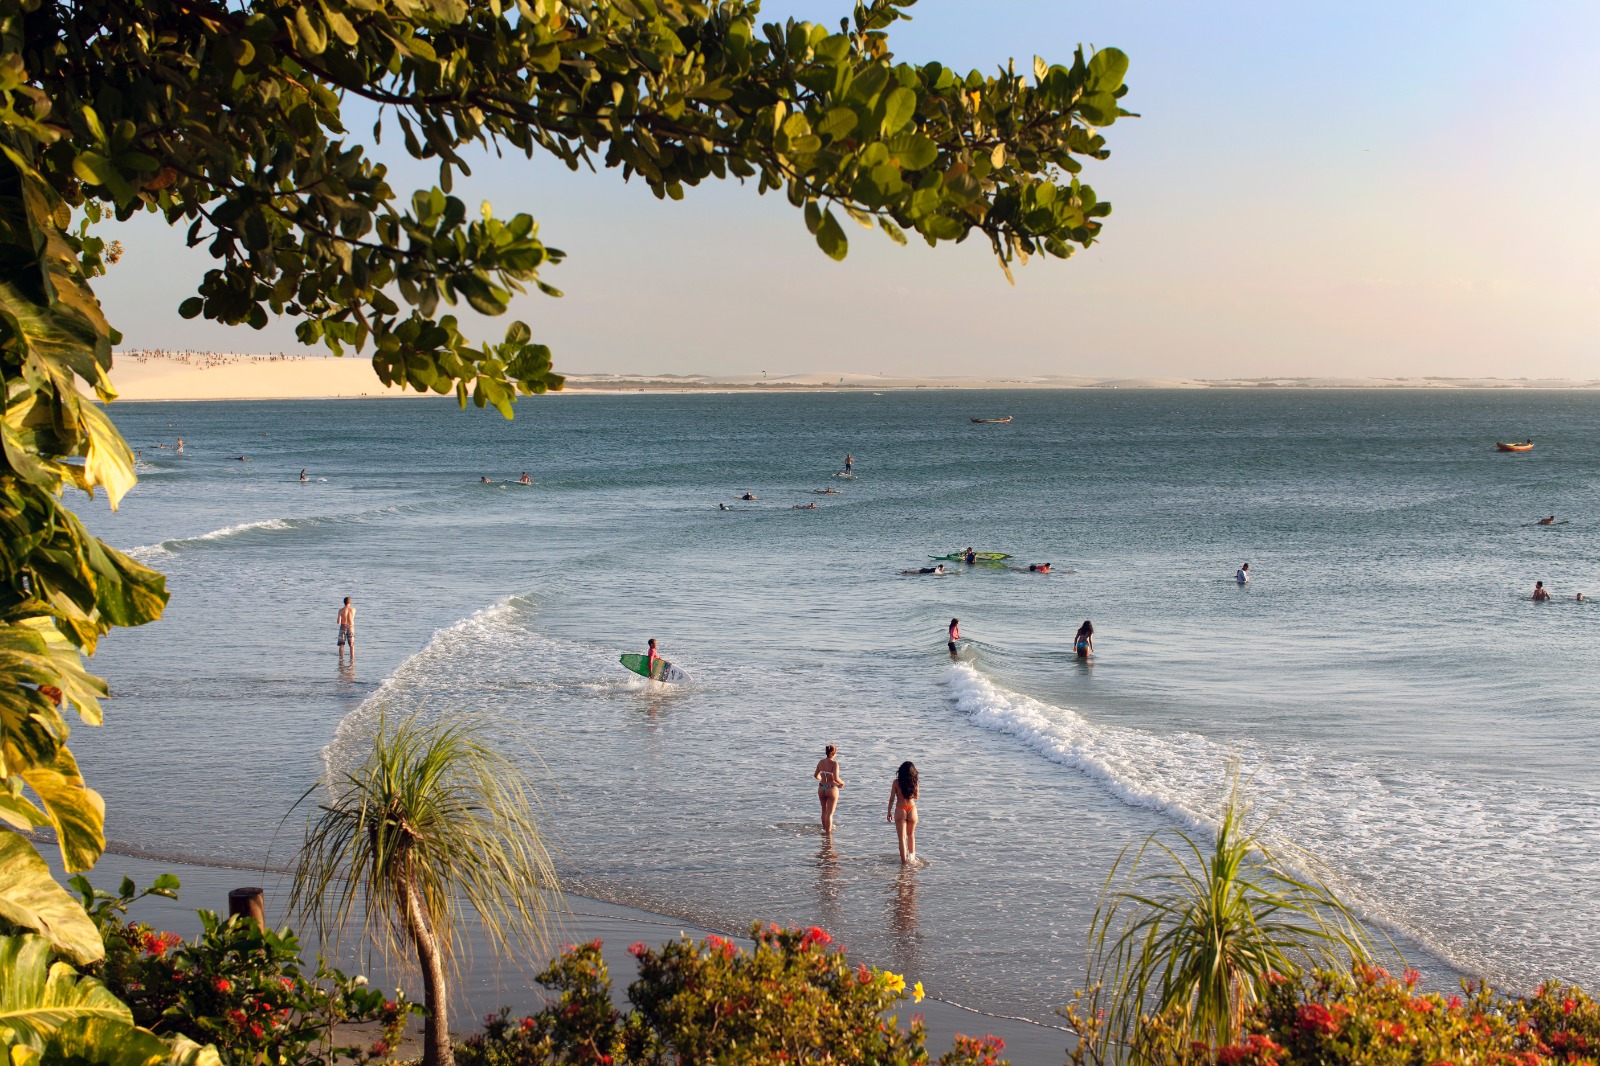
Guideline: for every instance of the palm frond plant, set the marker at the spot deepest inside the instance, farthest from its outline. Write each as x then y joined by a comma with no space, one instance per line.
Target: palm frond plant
433,822
1201,936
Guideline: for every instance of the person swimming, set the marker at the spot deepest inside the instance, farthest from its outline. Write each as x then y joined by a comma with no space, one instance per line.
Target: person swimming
903,810
525,479
1242,575
1540,593
1548,521
955,635
804,507
303,476
828,785
1083,641
1038,568
722,507
1579,598
748,496
485,480
926,570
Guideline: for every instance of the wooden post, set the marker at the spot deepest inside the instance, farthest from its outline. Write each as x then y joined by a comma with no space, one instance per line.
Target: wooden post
249,902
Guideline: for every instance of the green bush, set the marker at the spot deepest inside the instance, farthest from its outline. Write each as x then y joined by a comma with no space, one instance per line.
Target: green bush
239,986
1366,1016
792,998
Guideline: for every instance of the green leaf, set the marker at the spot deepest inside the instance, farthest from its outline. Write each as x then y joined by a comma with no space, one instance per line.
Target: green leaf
914,150
838,123
108,1042
831,238
898,109
38,997
30,898
1107,70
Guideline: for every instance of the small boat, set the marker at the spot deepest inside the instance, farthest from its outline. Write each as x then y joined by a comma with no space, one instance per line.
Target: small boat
991,421
982,557
1525,446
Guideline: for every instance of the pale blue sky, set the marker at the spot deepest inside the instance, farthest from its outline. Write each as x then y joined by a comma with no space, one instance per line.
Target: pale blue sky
1353,188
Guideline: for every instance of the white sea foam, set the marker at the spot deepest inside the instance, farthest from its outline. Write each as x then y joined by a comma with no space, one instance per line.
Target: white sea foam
146,552
1429,858
176,545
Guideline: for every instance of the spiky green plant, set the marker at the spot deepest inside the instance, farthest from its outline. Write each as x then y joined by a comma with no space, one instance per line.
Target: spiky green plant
1203,935
434,821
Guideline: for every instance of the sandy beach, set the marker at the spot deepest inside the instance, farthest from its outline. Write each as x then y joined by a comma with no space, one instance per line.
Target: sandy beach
140,375
485,982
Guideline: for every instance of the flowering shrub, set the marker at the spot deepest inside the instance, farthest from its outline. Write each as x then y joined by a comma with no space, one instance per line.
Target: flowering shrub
238,986
793,998
1369,1017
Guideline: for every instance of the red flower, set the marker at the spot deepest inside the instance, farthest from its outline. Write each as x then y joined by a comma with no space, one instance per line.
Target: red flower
717,943
286,982
1422,1006
157,944
863,974
637,949
1569,1005
224,985
237,1017
256,1031
380,1047
815,935
1454,1003
1412,977
1318,1019
527,1024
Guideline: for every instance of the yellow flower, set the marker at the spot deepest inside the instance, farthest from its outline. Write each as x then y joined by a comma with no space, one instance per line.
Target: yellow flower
916,992
896,983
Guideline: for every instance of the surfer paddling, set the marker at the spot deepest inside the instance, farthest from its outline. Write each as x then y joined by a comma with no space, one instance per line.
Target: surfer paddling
347,630
828,785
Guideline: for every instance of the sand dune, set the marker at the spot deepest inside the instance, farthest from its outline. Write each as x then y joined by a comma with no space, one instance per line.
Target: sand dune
229,376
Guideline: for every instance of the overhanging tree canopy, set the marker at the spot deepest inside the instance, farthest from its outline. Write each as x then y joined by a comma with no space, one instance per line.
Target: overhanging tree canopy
228,119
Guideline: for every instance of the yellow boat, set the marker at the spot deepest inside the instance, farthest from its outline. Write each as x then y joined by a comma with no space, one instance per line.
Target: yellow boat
1525,446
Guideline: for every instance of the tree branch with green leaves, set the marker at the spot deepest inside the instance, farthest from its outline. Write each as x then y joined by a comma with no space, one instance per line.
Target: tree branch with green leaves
229,119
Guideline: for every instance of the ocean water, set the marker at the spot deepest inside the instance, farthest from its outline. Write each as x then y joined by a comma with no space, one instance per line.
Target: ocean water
1384,685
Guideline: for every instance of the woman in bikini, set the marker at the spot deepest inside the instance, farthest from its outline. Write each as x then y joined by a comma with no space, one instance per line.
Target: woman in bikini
1083,641
828,784
903,810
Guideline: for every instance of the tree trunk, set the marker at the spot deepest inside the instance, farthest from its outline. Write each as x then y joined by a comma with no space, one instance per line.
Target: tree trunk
436,1047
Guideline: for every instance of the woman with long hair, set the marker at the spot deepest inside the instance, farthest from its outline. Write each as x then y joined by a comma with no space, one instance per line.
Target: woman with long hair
903,810
828,784
1083,643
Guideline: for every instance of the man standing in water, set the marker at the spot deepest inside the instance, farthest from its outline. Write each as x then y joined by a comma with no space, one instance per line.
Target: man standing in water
1242,575
347,630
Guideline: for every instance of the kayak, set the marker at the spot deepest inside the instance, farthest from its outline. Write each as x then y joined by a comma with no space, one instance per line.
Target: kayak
991,421
1525,446
983,557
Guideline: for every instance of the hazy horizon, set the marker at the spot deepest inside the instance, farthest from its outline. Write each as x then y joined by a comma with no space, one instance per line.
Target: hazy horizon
1359,191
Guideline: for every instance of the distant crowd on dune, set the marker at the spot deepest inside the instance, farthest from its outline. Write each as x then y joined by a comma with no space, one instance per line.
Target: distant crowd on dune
205,360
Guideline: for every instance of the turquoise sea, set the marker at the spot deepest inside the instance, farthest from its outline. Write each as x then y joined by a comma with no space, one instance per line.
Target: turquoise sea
1384,684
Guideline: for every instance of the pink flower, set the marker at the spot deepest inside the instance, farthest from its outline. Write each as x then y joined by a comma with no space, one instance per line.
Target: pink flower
637,949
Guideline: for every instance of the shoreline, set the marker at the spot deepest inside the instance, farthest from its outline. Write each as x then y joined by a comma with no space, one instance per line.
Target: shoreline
194,376
485,982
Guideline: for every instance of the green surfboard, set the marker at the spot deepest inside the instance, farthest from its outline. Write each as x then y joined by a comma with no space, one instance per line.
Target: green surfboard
664,671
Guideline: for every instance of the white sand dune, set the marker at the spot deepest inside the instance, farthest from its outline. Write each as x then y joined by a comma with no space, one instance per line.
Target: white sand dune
228,376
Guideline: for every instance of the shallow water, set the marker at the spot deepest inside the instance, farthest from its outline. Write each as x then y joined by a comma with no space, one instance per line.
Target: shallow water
1384,684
